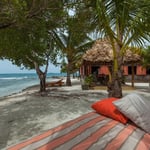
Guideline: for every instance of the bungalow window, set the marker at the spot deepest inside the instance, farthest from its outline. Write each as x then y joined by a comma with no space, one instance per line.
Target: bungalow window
86,70
148,71
130,70
95,70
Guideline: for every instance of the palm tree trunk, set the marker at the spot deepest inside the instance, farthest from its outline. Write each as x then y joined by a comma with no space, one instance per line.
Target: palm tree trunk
68,80
115,85
132,75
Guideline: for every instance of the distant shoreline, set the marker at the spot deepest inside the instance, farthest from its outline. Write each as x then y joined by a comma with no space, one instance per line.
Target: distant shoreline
141,86
14,83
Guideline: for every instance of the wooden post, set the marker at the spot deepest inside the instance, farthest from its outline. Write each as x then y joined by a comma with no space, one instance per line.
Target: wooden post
132,65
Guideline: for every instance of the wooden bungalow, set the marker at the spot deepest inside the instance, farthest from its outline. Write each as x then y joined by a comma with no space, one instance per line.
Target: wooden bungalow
98,61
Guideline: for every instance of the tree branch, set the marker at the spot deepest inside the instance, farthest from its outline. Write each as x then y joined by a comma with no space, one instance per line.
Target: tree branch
6,25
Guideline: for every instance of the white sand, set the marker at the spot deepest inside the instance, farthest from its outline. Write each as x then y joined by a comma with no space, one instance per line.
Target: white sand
27,114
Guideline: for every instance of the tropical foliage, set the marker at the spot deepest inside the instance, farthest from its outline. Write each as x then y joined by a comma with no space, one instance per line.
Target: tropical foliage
146,55
72,42
32,32
124,22
28,42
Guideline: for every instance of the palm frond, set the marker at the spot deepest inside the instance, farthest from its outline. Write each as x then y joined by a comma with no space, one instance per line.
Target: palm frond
58,39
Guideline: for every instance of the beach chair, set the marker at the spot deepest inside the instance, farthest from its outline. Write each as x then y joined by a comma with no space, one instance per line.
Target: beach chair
55,83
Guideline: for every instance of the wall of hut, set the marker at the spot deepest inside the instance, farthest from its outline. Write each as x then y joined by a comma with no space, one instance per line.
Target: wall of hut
140,74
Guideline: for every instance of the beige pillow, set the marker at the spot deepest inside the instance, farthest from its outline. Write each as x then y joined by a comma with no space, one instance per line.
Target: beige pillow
136,108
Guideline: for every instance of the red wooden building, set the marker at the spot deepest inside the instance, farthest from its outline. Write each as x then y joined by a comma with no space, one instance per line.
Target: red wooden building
140,74
99,59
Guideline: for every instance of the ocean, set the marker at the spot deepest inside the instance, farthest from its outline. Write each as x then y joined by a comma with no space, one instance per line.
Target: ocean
16,82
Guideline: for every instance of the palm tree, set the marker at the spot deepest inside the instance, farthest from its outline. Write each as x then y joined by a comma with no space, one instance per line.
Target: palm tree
146,55
73,42
124,23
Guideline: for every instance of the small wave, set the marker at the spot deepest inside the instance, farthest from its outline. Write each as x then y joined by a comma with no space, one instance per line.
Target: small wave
14,78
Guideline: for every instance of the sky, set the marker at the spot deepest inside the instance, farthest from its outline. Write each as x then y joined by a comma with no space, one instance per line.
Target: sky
7,67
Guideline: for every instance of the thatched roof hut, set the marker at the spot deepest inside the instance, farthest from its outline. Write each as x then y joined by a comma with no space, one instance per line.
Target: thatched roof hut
102,52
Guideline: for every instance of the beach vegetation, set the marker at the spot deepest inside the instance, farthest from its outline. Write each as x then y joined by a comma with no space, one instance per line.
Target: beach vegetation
125,23
87,82
28,42
146,60
89,79
34,32
72,41
146,56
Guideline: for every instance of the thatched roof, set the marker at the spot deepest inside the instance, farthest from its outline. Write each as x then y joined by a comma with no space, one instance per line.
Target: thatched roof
101,52
131,56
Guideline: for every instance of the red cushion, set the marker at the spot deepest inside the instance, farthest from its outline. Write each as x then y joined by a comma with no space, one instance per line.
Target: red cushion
107,108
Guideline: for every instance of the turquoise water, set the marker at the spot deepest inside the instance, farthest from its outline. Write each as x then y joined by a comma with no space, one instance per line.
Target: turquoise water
16,82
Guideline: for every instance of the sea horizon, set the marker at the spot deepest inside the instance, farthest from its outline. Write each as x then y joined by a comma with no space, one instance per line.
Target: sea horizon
11,83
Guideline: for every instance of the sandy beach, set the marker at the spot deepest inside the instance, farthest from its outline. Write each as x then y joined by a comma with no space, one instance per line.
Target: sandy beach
26,114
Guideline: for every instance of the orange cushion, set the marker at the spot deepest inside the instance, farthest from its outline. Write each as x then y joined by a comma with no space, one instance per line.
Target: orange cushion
107,108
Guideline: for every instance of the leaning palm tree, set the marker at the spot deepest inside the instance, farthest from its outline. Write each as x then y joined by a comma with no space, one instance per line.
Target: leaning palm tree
125,23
